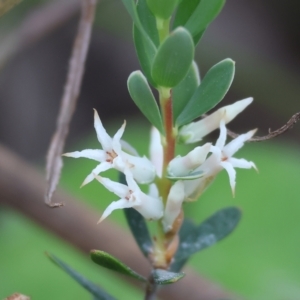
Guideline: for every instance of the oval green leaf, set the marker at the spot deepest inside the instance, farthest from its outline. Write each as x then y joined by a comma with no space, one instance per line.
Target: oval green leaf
196,15
139,230
163,277
173,58
196,238
142,31
143,97
148,21
106,260
184,11
211,91
183,92
146,52
162,9
92,288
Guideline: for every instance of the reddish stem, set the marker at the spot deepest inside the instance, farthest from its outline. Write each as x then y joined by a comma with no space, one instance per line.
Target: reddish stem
169,148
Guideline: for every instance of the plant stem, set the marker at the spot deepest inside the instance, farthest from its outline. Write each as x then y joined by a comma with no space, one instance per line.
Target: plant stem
150,289
165,99
163,27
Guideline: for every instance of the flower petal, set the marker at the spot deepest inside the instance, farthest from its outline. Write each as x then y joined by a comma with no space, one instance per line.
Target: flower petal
98,155
117,188
149,207
116,145
231,173
242,163
223,135
156,151
120,204
153,190
100,168
141,167
173,206
184,165
195,131
104,139
236,144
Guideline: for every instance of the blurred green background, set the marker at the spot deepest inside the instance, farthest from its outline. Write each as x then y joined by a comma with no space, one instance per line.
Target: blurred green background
260,260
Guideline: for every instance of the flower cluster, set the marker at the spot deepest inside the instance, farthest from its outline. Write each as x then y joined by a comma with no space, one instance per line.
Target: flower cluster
191,173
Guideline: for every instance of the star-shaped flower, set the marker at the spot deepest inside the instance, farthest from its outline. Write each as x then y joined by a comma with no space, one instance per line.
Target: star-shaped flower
151,208
221,158
112,156
195,131
173,205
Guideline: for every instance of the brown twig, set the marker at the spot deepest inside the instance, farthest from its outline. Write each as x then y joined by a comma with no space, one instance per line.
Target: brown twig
21,187
69,99
272,134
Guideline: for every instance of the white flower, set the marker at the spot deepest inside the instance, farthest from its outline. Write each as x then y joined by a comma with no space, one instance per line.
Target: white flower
184,165
195,131
221,158
156,151
151,208
173,206
112,156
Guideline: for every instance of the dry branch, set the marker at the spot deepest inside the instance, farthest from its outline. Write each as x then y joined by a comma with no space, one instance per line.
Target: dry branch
272,134
69,99
22,188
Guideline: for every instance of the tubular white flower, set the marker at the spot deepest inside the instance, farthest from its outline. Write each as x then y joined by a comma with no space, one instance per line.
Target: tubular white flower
173,206
112,156
156,151
221,158
195,131
151,208
184,165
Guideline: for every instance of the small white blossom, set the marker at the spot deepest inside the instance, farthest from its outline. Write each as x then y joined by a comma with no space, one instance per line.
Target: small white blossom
221,158
112,156
184,165
151,208
156,151
173,206
195,131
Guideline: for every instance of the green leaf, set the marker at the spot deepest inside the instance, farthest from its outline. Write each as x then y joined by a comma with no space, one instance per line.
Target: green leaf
163,277
186,228
139,230
190,176
146,38
132,10
106,260
162,9
95,290
146,52
173,58
148,21
145,48
210,92
183,92
184,11
196,15
142,96
196,238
